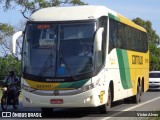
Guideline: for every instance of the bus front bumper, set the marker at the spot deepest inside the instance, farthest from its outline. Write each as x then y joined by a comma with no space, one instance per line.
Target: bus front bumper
91,98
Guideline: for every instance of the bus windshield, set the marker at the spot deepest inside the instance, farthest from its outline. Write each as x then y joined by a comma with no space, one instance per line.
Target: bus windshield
58,50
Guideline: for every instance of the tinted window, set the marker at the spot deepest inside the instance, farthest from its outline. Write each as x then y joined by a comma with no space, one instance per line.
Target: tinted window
58,50
101,54
154,75
126,37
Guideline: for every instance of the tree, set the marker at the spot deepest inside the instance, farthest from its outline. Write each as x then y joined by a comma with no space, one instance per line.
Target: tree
6,32
152,36
9,62
153,39
29,6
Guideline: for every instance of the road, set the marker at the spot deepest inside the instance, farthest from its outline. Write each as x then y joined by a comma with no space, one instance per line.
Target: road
119,111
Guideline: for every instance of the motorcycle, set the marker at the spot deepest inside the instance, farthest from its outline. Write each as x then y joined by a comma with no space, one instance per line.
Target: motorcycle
8,98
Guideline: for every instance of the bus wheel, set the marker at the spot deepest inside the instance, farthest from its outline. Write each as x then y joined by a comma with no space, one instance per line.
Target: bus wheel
105,108
127,100
47,112
141,90
137,98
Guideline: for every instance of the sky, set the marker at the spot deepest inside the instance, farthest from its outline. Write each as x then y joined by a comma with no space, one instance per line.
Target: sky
144,9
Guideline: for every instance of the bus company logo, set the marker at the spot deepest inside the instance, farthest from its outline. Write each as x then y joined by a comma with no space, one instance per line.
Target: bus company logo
137,59
6,114
55,80
56,92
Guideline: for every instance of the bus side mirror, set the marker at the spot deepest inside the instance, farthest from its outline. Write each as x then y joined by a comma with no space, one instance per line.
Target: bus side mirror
13,41
98,39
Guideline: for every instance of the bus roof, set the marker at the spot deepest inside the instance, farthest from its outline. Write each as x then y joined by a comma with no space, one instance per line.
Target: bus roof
69,13
85,12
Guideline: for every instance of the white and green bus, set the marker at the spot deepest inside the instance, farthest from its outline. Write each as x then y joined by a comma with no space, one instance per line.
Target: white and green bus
54,74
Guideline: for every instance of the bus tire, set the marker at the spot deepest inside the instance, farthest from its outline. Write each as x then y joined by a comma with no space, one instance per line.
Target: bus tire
127,100
141,89
137,98
105,108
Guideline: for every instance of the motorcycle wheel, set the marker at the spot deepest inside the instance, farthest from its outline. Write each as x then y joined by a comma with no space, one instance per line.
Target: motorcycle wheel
4,103
15,104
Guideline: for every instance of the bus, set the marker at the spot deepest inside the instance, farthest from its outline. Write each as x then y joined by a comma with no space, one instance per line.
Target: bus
54,74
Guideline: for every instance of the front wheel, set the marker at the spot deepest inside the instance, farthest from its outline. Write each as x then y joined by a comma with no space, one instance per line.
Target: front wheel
4,103
15,104
105,108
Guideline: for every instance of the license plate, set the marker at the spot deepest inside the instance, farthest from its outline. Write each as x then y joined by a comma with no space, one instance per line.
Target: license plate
56,101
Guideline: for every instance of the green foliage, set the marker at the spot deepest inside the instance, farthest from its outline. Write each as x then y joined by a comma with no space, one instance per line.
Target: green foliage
5,30
77,2
152,36
154,57
37,4
9,62
153,39
29,6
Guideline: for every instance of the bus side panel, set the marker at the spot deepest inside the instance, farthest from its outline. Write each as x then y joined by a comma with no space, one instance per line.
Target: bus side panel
139,68
125,68
114,73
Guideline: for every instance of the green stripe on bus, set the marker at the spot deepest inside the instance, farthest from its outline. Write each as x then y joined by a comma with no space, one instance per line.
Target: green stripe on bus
127,70
79,84
121,68
76,84
113,17
124,68
65,85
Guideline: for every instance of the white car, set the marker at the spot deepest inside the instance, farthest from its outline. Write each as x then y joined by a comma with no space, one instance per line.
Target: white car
154,80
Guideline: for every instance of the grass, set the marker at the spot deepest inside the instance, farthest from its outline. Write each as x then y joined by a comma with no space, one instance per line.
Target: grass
153,118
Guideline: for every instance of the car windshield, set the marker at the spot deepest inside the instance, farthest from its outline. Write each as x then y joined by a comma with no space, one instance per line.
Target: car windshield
58,50
154,75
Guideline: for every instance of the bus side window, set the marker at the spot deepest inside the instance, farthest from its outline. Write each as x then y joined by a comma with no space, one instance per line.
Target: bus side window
141,42
134,39
128,38
119,35
112,34
137,40
101,55
144,39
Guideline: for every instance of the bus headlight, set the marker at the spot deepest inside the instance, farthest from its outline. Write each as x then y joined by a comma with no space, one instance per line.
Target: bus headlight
27,88
86,100
89,87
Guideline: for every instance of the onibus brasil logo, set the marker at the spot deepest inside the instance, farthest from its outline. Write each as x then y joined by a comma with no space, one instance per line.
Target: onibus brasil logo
21,115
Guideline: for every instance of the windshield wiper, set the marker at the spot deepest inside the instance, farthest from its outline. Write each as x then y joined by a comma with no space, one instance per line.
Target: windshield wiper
67,66
45,66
